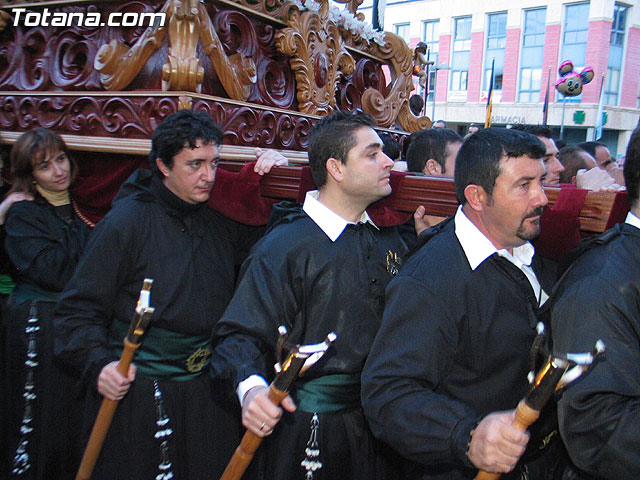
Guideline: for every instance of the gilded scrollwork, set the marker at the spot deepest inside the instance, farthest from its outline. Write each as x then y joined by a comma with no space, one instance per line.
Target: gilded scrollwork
394,107
187,24
317,57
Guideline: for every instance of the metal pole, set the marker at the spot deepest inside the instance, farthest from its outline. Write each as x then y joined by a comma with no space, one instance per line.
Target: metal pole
433,110
564,104
425,93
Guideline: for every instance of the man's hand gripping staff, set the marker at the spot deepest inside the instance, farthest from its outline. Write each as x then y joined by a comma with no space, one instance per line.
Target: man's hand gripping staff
132,341
299,359
556,373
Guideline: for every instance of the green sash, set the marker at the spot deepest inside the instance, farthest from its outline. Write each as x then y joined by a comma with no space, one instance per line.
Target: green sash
329,394
6,284
25,292
164,354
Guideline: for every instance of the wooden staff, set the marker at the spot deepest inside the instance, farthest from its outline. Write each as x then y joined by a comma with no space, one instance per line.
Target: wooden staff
132,341
300,358
554,375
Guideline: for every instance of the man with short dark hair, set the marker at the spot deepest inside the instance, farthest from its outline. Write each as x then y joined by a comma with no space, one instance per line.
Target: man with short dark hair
416,104
439,124
600,152
598,299
433,152
450,361
390,147
321,267
574,159
552,165
473,128
172,420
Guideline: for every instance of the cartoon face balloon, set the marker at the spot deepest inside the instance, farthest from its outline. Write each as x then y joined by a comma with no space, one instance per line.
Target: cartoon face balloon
570,82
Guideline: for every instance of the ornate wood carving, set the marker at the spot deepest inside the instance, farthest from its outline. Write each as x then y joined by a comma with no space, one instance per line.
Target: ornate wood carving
136,117
303,67
118,64
367,74
188,24
394,106
259,128
53,58
318,58
275,83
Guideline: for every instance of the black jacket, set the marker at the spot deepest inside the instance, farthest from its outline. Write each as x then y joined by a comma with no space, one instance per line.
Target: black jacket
44,247
298,277
599,413
453,346
189,251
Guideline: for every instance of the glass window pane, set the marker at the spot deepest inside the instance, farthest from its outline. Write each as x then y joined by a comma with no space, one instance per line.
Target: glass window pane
532,54
576,25
536,75
525,80
402,30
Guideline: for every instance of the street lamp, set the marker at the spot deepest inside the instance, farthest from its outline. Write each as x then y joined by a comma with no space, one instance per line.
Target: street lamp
442,66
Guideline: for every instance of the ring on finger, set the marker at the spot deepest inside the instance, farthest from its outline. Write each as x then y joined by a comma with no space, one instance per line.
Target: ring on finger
262,426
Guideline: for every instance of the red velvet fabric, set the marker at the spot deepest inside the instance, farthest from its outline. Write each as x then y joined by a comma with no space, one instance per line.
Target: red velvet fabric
619,209
237,196
560,225
99,178
380,212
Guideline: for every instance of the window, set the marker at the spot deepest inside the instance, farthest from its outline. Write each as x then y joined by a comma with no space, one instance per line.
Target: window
496,42
460,54
574,40
532,51
459,80
431,36
402,30
462,35
619,24
616,46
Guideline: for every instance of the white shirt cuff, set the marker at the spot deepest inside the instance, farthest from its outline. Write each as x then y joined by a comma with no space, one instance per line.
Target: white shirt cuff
248,383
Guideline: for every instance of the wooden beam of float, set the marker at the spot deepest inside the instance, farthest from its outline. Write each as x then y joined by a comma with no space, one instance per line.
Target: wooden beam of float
436,194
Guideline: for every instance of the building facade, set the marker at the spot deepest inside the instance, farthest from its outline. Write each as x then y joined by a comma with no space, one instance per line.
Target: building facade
526,40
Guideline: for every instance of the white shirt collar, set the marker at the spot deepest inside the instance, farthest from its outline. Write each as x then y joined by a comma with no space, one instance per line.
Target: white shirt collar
329,221
633,220
477,247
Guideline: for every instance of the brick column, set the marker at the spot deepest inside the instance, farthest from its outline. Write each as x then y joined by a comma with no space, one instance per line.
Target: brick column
597,58
631,70
510,72
442,82
474,84
550,58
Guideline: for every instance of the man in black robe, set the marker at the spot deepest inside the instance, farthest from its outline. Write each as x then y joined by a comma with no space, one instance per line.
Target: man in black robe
450,361
321,267
171,420
599,298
